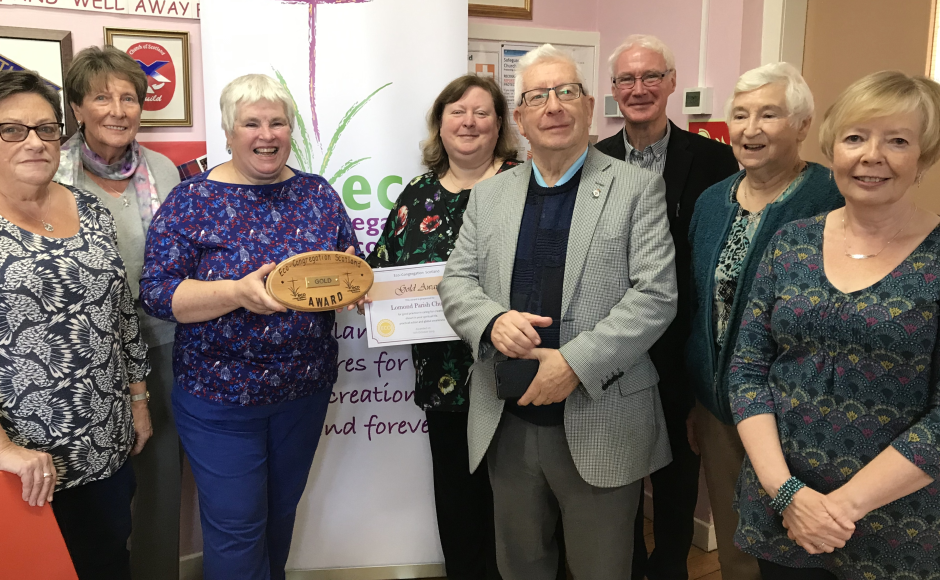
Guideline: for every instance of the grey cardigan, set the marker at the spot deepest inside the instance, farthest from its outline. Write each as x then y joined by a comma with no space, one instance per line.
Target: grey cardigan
132,237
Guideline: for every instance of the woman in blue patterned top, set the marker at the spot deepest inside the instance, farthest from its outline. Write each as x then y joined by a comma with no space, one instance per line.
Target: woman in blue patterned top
834,377
252,380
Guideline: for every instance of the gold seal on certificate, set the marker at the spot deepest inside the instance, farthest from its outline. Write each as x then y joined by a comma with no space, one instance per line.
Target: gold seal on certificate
320,281
405,307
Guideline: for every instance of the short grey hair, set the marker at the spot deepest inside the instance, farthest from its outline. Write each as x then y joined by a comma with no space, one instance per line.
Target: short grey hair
647,41
800,104
544,53
248,90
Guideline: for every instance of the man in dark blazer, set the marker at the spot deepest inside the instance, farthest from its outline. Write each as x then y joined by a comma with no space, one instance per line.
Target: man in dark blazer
643,76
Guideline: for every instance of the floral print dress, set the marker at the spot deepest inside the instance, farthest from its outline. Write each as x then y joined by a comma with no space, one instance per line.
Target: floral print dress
847,374
422,228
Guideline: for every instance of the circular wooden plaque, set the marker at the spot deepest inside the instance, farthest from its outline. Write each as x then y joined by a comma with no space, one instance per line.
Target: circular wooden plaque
320,281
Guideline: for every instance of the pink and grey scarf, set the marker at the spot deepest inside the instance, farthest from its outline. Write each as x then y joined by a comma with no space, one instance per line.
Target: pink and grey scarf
77,156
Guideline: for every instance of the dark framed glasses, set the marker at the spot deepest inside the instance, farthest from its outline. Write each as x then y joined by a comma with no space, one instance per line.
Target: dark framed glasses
16,132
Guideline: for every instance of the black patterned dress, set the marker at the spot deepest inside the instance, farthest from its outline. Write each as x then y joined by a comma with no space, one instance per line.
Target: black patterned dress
69,345
421,229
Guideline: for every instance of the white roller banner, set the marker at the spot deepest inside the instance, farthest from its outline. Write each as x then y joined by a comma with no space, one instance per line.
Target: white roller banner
362,103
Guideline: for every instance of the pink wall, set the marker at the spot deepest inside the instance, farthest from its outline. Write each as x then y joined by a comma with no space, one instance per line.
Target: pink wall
563,14
87,30
733,40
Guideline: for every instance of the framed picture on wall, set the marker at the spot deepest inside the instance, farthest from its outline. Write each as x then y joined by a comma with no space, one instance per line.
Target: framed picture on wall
163,55
48,52
521,9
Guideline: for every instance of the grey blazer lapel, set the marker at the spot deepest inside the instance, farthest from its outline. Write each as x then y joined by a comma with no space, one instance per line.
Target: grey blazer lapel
512,198
592,195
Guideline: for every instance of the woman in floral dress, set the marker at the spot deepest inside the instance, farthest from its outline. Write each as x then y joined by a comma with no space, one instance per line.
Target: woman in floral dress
469,140
834,377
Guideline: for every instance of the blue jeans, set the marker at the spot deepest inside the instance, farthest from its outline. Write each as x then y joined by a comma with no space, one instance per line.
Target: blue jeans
251,466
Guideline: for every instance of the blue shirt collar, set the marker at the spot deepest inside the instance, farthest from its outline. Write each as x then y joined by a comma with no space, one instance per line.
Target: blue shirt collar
568,174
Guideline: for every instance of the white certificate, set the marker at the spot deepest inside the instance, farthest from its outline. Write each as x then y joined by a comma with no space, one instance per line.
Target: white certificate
406,308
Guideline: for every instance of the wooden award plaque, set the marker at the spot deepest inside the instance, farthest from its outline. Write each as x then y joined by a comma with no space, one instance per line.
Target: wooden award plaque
320,281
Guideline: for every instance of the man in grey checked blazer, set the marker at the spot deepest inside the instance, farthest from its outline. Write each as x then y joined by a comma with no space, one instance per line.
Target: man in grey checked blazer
590,425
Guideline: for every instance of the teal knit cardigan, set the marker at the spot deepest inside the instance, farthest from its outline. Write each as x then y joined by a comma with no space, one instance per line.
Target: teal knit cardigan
714,214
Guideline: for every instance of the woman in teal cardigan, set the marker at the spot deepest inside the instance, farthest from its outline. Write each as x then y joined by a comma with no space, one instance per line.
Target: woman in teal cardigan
769,117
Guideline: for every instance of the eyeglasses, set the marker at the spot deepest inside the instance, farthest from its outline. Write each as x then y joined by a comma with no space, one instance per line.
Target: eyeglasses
650,79
15,132
565,92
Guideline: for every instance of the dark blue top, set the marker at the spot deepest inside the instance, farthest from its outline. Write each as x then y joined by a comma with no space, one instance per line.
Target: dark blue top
845,375
538,273
706,365
207,230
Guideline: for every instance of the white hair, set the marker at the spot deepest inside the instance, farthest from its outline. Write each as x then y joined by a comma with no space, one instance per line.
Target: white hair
800,104
248,90
646,41
544,53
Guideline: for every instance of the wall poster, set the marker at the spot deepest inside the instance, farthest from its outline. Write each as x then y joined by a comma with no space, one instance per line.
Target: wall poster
164,58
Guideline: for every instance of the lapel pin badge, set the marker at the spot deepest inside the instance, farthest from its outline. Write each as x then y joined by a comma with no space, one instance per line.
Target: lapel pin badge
596,193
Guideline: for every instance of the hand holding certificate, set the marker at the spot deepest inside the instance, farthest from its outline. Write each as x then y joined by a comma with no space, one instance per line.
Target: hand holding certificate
406,308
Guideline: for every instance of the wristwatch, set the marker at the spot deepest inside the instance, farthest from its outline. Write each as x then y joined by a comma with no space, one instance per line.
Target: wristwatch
145,396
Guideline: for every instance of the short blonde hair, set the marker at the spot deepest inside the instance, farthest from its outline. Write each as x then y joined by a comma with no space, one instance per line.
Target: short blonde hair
881,94
250,89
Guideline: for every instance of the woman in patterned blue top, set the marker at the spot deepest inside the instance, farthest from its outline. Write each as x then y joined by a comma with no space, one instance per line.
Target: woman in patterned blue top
252,380
834,377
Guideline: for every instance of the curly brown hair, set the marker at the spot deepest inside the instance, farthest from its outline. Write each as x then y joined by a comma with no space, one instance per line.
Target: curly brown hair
434,157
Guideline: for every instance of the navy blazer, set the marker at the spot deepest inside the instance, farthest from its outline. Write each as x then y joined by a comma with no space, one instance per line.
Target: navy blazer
693,164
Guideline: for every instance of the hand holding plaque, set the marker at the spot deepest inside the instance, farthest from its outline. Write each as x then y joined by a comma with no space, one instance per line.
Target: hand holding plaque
320,281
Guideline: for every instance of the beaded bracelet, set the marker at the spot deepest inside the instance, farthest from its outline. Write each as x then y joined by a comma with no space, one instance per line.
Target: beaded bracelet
785,494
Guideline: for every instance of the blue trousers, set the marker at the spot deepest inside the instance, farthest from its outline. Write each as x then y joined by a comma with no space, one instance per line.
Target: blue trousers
251,466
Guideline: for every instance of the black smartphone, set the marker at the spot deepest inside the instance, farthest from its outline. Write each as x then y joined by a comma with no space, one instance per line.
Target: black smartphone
514,376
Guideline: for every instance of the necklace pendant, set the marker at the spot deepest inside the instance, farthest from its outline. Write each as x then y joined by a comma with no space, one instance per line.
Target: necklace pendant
860,256
124,199
48,226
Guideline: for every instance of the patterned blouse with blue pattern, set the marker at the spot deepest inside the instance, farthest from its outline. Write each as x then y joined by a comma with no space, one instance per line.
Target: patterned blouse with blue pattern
208,230
847,375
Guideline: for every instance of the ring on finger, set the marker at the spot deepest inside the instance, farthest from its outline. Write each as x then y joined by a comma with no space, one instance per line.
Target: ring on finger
46,475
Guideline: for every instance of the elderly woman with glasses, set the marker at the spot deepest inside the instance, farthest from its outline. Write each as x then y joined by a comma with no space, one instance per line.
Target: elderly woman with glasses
834,377
252,379
73,358
769,116
106,89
